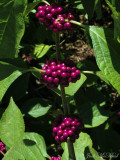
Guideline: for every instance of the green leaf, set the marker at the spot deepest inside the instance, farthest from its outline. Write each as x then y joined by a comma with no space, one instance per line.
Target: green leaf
107,54
30,7
11,26
11,125
8,74
41,50
83,149
116,19
90,107
31,148
36,107
73,87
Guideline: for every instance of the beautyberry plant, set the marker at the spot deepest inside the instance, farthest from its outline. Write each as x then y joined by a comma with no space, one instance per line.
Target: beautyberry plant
59,80
55,18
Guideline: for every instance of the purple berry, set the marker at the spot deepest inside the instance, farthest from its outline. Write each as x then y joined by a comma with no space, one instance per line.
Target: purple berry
48,9
48,71
73,123
70,17
41,13
65,134
40,8
77,72
63,125
54,74
63,69
37,15
73,69
73,128
55,129
59,26
54,11
59,10
56,80
60,132
59,72
67,123
55,23
57,138
73,74
52,64
70,132
62,20
67,25
60,16
49,16
49,79
64,75
53,68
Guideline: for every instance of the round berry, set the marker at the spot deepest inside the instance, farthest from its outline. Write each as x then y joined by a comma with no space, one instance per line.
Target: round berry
67,123
49,79
57,138
59,10
63,69
70,132
54,11
67,25
56,80
48,71
48,9
59,26
63,125
73,74
55,129
40,8
77,72
60,132
49,16
54,74
59,72
65,134
59,16
41,13
53,68
70,17
64,75
62,20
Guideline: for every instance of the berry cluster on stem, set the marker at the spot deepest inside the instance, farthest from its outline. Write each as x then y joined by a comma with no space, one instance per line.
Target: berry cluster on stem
55,18
55,158
64,127
2,147
58,72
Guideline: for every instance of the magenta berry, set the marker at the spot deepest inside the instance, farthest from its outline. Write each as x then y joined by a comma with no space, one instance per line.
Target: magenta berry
53,18
59,10
55,158
65,127
2,147
58,73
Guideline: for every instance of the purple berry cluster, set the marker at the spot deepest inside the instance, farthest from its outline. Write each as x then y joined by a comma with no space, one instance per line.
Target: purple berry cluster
2,147
59,73
64,127
55,158
54,18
